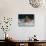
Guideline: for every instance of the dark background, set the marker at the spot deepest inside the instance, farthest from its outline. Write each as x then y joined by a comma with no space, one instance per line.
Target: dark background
22,16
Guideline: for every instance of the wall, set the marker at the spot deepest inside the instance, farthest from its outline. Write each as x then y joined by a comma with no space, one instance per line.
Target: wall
11,8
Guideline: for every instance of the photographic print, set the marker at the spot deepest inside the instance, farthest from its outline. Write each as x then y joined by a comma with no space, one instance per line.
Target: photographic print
26,19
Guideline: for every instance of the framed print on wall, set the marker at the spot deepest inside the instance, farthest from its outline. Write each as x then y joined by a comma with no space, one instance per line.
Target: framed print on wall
26,19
